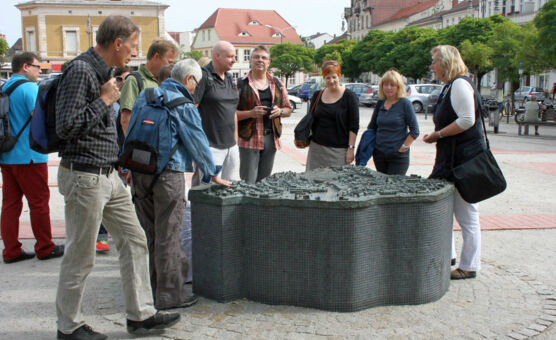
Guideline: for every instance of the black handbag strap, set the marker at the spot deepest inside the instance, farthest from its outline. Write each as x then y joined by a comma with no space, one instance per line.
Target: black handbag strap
478,112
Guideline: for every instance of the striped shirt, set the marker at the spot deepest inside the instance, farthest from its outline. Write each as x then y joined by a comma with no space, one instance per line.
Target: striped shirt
83,120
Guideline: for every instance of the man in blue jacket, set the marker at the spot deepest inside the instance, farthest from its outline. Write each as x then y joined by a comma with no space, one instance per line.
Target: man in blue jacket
24,171
162,221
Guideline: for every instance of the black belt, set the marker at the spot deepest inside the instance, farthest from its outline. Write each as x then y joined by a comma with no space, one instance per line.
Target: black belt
267,132
106,170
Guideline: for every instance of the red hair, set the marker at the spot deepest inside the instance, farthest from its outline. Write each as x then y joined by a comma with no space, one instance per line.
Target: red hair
331,66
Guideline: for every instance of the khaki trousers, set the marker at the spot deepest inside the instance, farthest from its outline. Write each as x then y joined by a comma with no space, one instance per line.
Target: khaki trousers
89,200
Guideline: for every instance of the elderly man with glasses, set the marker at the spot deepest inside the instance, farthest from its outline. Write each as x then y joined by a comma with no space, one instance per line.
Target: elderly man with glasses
160,203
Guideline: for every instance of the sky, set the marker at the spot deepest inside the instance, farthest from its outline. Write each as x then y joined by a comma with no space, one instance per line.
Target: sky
307,16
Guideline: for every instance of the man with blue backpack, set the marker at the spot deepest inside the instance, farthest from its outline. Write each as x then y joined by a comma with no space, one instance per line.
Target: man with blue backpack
164,137
24,171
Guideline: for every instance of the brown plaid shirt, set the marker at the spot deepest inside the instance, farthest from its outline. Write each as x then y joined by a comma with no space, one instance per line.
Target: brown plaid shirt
250,99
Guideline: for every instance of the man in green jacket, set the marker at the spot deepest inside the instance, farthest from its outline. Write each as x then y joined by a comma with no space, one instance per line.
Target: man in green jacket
161,52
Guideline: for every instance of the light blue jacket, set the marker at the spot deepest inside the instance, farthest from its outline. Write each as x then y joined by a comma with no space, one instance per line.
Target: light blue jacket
186,129
22,102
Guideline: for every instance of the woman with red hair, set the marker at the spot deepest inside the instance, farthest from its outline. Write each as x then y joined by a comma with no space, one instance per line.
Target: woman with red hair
335,122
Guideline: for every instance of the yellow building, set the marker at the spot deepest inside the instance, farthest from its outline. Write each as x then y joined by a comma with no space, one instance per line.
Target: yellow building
59,30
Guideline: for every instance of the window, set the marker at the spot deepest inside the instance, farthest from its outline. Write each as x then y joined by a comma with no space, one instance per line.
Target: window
235,75
254,22
244,34
30,39
70,40
208,35
203,35
237,55
246,55
276,35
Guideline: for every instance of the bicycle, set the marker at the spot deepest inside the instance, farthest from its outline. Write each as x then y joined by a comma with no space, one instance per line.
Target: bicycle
507,108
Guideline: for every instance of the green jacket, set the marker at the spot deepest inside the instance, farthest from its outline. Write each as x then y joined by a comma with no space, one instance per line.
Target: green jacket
130,89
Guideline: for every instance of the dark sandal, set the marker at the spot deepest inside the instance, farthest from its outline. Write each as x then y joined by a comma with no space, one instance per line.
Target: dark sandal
458,274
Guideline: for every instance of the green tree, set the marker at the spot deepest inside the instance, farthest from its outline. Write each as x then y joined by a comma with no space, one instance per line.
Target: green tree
333,51
191,54
288,58
370,53
472,29
531,55
3,48
545,21
478,58
411,52
506,42
350,66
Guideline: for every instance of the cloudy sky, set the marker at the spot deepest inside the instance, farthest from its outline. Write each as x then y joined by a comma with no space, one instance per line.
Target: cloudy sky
307,16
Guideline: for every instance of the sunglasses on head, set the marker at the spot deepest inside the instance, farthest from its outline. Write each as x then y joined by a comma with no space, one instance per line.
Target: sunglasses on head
328,63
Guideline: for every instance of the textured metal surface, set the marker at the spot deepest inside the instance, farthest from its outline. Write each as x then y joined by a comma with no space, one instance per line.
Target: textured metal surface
360,239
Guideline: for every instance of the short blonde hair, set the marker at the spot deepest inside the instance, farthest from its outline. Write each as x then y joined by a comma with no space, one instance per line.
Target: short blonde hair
394,77
450,60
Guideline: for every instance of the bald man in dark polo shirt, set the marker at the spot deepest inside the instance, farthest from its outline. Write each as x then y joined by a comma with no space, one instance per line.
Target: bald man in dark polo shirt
217,97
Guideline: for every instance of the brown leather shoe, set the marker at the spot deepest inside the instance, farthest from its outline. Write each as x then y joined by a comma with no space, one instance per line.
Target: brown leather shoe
458,274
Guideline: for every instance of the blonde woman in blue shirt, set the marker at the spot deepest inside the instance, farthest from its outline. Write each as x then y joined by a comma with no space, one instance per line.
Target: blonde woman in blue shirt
395,124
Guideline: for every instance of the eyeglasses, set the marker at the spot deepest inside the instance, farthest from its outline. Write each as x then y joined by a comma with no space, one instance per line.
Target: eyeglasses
37,66
262,57
119,78
195,80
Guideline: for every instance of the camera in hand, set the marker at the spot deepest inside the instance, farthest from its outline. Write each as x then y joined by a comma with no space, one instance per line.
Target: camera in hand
268,110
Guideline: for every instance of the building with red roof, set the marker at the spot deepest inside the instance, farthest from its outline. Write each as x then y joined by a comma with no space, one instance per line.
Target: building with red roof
245,29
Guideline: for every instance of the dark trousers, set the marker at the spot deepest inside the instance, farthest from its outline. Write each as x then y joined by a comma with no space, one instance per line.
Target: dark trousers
160,215
255,165
391,164
30,180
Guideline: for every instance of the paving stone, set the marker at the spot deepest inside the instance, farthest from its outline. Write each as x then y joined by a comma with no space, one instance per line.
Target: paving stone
538,327
551,318
529,332
517,336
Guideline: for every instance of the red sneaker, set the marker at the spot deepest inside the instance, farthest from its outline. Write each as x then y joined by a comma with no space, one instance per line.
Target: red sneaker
102,246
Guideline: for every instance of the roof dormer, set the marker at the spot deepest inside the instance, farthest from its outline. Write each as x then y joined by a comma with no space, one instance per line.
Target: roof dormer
244,34
254,22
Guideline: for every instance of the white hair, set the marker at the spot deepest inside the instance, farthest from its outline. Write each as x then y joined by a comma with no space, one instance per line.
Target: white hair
186,67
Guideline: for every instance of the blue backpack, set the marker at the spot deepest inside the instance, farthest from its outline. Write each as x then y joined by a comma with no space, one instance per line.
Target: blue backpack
147,147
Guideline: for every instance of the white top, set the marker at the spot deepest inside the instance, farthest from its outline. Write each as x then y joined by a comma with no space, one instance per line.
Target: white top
463,103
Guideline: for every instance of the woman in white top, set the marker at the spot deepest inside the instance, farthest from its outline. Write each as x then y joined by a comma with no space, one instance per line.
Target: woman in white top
459,137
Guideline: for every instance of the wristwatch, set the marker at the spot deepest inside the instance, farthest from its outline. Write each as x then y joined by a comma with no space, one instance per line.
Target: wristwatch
439,135
405,147
351,147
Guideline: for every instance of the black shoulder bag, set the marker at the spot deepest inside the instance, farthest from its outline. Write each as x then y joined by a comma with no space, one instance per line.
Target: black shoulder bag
304,129
480,177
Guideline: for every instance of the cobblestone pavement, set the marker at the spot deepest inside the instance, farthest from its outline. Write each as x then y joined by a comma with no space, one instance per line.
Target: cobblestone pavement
513,297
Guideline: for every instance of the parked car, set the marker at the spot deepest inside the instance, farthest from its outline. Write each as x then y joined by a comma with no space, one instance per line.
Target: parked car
418,94
306,90
295,102
357,88
524,93
371,97
433,97
292,91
